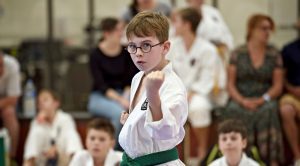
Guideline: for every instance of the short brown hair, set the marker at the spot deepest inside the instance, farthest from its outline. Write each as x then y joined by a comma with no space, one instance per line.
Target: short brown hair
191,16
149,24
53,94
102,124
255,20
232,125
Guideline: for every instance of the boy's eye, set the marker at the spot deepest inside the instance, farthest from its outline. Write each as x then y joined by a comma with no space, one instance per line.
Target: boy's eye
145,46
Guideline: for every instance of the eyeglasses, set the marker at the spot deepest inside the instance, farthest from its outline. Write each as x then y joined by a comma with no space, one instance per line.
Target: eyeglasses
145,47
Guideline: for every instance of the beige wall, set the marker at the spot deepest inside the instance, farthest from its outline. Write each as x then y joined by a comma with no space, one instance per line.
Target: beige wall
27,18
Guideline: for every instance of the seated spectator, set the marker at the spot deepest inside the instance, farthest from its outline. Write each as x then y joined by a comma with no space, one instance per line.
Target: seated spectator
196,62
112,70
52,137
255,82
137,6
232,138
290,102
212,26
99,142
10,90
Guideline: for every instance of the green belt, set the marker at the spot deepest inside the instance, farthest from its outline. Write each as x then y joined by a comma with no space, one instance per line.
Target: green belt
150,159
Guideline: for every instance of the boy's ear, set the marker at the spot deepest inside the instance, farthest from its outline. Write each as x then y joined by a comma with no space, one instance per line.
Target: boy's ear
244,142
166,47
113,142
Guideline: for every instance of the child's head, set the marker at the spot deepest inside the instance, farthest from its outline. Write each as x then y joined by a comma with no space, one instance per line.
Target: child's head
100,137
186,20
48,101
111,28
147,35
232,137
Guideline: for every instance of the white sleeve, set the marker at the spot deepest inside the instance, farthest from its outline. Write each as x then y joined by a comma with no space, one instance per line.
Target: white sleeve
226,36
73,141
14,81
174,110
78,159
205,81
34,141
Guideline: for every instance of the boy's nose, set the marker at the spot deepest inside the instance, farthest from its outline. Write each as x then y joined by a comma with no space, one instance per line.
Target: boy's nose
139,52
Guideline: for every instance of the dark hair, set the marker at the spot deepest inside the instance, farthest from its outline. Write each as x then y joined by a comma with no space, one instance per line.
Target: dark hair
133,8
192,16
233,125
102,124
108,24
54,95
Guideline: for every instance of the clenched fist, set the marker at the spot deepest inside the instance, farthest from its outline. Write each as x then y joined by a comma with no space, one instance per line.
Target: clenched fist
154,80
124,117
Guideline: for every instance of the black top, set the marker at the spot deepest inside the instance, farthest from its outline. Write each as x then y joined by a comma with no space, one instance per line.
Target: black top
291,61
111,72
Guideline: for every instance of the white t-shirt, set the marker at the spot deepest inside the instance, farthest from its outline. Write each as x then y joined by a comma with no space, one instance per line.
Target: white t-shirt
62,130
83,158
213,28
10,83
245,161
141,135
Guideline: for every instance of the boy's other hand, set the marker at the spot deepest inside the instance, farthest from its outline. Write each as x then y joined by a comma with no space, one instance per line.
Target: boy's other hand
51,153
41,117
124,117
154,80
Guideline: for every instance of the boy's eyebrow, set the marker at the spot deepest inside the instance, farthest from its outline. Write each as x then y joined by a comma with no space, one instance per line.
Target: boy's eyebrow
144,41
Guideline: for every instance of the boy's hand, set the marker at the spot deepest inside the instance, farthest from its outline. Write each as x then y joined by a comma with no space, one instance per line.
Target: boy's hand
124,117
154,80
51,152
41,117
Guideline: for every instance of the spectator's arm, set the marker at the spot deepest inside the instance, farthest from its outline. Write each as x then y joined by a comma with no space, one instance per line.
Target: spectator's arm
233,92
8,101
277,83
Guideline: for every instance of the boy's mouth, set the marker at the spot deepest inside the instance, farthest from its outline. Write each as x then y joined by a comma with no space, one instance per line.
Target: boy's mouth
140,62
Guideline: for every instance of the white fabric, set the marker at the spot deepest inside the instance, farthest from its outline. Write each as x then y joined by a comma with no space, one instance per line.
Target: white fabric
213,28
245,161
63,130
200,68
140,135
83,158
10,83
200,111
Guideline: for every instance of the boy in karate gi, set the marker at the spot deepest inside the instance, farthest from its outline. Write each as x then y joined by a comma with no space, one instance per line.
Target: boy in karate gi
197,63
153,127
52,137
232,142
99,142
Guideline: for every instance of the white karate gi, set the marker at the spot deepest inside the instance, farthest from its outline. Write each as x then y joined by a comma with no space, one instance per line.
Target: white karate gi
213,28
63,130
83,158
245,161
200,69
141,135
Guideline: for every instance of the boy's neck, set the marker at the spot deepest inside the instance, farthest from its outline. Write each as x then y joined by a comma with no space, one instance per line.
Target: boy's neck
234,160
51,116
99,161
188,39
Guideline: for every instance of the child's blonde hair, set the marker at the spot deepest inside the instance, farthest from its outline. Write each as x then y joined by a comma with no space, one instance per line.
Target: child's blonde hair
149,24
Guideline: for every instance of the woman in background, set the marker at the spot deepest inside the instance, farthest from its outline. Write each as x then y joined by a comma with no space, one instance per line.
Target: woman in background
112,70
255,81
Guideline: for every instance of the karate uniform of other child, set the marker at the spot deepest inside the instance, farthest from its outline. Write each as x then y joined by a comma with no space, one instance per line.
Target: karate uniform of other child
52,134
232,135
99,142
158,102
197,63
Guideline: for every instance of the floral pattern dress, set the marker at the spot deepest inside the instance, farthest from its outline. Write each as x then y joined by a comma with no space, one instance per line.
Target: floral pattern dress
263,125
